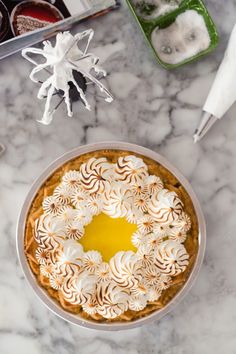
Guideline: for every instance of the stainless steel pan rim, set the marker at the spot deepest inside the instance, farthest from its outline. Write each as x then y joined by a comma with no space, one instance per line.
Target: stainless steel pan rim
42,294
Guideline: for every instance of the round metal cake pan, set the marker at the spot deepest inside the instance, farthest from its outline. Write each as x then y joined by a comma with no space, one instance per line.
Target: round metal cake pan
42,294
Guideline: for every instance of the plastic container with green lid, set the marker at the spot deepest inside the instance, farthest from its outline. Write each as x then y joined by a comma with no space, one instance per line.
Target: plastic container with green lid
193,40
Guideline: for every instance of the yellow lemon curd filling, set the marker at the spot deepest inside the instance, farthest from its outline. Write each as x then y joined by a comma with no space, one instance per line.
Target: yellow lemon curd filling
108,236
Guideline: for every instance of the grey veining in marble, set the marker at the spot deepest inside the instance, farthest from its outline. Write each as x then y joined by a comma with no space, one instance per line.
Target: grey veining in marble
154,108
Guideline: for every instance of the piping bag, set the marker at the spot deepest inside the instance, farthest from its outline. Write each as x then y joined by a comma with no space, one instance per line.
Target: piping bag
223,91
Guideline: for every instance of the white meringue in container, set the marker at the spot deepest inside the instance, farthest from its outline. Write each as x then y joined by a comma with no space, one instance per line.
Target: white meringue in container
183,39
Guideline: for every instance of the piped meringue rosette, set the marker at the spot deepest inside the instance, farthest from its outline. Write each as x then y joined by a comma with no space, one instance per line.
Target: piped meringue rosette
129,281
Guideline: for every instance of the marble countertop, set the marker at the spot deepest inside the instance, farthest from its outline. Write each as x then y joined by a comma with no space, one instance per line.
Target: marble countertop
153,108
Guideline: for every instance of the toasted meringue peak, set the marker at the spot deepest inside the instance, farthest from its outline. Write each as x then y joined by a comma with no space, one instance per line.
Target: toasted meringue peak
72,253
52,206
165,206
139,188
95,175
74,230
137,238
67,215
47,269
68,261
94,204
112,300
161,229
177,235
131,169
103,272
151,275
56,281
90,307
153,294
146,224
71,180
183,223
141,202
139,289
49,232
153,184
154,239
79,198
137,303
62,194
79,289
145,254
124,266
41,255
92,261
118,201
171,257
164,281
83,216
133,215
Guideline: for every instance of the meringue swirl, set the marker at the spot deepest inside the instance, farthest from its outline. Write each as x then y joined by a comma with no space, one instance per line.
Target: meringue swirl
90,307
137,238
94,204
41,255
112,300
78,198
49,232
153,184
146,224
52,206
171,257
140,289
131,169
153,294
79,289
145,254
95,175
71,180
165,206
151,275
56,281
183,223
69,260
47,269
74,230
141,202
133,215
92,261
117,202
103,272
62,194
124,266
137,303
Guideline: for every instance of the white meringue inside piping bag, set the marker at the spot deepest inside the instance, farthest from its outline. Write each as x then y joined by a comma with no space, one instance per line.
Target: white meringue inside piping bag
223,92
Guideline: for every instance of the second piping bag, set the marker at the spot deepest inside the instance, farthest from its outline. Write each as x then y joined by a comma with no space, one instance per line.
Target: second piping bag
223,91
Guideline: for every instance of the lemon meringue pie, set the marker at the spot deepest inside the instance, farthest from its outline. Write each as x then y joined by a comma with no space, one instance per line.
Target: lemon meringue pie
111,236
